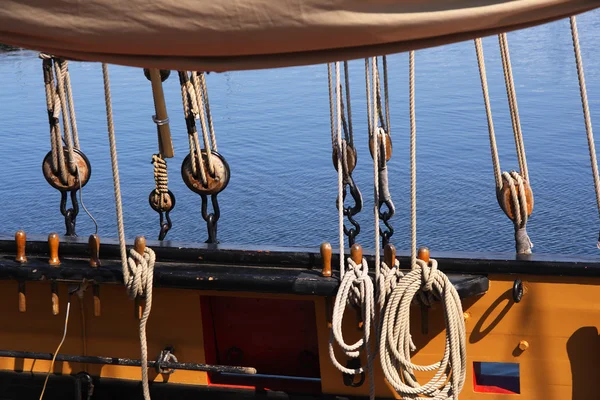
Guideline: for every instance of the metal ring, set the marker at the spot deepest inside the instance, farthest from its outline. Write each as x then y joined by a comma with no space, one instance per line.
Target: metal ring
517,290
160,121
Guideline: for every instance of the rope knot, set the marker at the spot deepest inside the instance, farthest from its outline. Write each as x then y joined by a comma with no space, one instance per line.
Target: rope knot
139,274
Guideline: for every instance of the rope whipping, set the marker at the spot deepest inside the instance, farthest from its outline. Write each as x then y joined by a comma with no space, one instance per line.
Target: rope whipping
356,287
517,200
586,112
425,279
138,269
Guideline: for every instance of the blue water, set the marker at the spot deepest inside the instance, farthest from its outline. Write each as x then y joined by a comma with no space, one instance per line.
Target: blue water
273,128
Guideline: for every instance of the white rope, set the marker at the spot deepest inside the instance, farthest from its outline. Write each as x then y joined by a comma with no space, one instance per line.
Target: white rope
355,290
426,281
161,180
138,277
336,142
413,159
62,340
396,343
586,112
374,137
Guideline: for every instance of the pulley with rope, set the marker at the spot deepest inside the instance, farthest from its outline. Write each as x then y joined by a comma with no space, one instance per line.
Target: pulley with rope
426,283
161,199
356,287
65,167
204,170
347,151
513,190
379,126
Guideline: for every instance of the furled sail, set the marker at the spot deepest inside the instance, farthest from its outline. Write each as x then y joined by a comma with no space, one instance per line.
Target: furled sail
219,35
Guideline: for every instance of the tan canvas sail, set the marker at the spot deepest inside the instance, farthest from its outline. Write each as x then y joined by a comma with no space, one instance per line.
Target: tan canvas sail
222,35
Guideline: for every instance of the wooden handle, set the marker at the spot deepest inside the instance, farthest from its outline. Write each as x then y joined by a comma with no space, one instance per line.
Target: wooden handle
22,297
165,143
423,254
139,246
97,304
94,245
389,255
53,242
20,239
55,303
356,253
326,256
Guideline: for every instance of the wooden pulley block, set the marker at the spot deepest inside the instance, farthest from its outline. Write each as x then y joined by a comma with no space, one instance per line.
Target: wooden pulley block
164,74
388,144
154,200
215,182
505,198
351,156
83,164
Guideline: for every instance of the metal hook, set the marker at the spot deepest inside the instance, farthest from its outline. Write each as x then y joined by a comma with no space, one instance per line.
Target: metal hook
71,213
350,212
211,218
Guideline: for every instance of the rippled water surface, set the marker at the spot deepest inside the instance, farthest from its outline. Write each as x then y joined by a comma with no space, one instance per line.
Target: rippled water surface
273,128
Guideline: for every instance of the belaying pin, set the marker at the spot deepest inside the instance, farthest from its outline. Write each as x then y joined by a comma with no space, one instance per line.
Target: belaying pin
326,257
423,254
139,246
20,240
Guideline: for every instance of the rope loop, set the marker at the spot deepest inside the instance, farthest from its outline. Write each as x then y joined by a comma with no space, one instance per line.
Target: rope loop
356,289
139,274
396,342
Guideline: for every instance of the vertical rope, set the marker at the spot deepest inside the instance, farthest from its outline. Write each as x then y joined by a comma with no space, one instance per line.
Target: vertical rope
375,138
387,98
348,102
488,112
201,112
71,105
586,111
413,160
338,103
60,73
211,127
512,103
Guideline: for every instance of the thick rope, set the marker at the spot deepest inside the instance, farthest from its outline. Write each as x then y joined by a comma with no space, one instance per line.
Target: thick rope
413,159
522,241
374,137
201,106
356,290
586,112
138,277
396,343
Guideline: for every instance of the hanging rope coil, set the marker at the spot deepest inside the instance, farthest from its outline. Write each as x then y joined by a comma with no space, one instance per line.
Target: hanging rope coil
396,343
138,269
512,189
161,180
586,112
355,290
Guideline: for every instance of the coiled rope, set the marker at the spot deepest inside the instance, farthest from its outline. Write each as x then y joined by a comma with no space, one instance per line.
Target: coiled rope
161,180
138,269
586,112
521,204
428,283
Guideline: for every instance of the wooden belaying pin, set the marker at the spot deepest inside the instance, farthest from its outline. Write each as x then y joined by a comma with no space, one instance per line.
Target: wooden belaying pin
139,246
161,118
20,239
356,253
389,255
55,303
53,242
94,246
423,254
326,256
